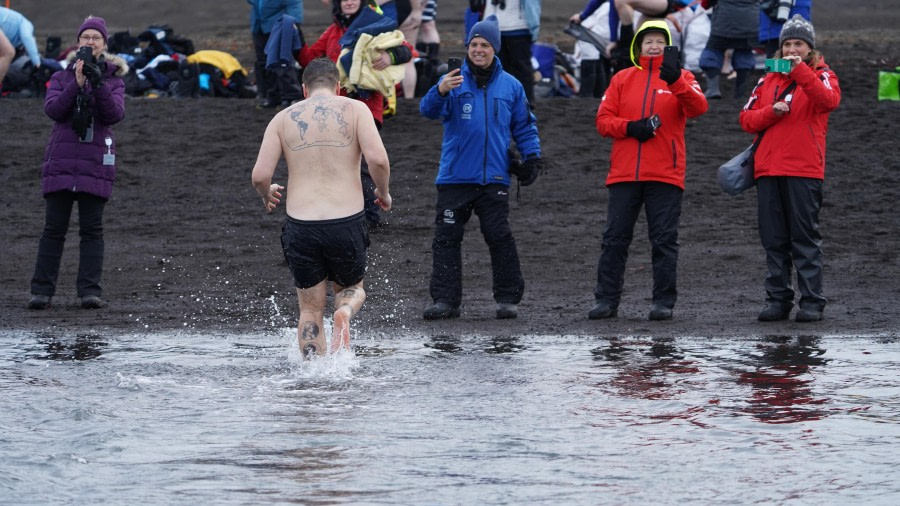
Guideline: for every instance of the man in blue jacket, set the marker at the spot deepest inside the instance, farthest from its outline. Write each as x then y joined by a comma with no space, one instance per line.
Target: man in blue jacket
280,85
482,109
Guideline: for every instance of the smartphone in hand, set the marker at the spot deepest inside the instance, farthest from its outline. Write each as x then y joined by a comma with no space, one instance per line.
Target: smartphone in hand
672,57
453,63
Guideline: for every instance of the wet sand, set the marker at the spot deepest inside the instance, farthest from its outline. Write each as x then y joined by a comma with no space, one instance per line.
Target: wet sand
189,246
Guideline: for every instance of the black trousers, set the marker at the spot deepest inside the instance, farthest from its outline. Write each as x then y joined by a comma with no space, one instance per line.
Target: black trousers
50,248
276,84
515,55
454,207
788,210
662,205
593,78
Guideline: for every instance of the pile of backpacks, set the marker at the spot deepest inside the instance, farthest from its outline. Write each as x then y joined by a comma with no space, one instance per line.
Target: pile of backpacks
160,62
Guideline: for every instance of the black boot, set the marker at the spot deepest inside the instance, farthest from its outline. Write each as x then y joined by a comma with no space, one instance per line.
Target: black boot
740,83
712,83
440,311
602,310
775,312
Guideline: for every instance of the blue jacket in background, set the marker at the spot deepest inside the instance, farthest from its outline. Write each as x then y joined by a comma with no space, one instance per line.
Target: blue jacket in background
478,126
20,32
264,13
769,29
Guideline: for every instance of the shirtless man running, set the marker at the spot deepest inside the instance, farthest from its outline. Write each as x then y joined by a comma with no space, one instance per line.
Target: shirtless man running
324,235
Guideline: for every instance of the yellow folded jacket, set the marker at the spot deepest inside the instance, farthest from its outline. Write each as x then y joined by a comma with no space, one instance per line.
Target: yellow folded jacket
225,62
361,74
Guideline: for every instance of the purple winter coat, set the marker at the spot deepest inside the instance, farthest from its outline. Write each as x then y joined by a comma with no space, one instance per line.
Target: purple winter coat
70,164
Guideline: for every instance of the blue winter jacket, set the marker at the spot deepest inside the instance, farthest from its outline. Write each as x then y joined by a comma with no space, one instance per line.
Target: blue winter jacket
264,13
478,125
769,29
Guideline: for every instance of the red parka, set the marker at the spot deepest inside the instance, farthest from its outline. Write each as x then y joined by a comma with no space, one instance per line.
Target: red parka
794,144
636,93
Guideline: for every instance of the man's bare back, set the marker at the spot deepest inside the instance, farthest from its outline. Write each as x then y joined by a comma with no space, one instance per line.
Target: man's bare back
322,139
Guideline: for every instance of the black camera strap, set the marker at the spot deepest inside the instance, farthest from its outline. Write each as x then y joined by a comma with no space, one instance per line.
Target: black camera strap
787,91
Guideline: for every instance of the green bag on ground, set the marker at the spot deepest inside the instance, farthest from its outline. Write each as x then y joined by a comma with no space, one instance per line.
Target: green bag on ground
889,85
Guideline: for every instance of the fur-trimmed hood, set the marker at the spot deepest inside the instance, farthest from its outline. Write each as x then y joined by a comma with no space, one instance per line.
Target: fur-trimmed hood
111,59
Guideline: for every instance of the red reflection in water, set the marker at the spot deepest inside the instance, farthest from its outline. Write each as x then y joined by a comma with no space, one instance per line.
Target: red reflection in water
781,383
654,373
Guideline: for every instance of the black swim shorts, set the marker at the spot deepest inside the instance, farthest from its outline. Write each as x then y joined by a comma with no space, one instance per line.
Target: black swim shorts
326,249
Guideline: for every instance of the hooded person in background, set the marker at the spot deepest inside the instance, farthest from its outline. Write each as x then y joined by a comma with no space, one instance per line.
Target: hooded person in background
645,110
789,167
278,86
84,101
16,31
482,109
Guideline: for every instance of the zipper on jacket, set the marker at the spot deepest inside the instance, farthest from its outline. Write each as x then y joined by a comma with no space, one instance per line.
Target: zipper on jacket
818,148
637,167
674,155
487,132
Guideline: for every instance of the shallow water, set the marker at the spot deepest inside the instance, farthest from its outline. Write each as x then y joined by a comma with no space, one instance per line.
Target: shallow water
239,419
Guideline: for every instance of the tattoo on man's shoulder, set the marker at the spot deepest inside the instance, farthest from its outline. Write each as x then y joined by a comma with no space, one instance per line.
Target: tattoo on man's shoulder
326,118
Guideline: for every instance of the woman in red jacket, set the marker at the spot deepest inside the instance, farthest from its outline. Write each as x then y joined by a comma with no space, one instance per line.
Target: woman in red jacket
329,45
345,13
790,168
644,111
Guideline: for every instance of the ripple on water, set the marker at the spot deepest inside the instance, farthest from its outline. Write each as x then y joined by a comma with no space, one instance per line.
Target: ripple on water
452,419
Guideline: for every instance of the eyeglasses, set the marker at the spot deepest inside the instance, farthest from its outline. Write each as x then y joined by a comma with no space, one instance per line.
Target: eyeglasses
87,38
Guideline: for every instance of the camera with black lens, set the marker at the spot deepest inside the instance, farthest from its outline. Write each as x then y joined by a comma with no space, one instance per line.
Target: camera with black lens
85,54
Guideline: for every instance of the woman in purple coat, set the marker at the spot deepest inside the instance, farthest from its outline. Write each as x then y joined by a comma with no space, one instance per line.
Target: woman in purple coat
83,100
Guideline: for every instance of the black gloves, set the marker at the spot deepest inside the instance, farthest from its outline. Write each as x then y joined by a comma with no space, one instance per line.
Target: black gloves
640,129
476,5
93,73
670,71
526,172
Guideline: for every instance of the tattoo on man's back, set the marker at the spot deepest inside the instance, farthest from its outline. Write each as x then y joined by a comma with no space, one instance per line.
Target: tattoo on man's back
325,118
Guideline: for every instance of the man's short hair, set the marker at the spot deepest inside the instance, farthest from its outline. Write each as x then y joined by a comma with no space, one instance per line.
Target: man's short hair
320,73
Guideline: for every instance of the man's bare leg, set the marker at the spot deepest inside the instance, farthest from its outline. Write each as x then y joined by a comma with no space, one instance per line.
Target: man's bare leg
347,302
310,329
410,29
7,53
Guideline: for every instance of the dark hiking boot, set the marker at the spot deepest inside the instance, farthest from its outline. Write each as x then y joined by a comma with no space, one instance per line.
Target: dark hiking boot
506,311
440,311
602,310
774,313
808,314
659,312
39,302
92,302
712,88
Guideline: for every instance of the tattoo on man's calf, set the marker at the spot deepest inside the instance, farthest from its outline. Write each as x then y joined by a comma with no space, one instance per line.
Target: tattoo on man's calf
309,331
